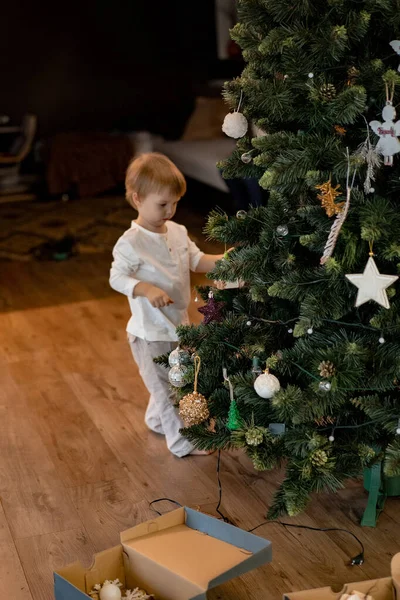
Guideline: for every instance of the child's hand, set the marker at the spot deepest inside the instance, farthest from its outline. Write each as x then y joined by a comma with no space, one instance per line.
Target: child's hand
157,297
220,285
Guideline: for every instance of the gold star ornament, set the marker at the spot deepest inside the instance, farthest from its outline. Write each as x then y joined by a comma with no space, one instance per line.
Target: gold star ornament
372,285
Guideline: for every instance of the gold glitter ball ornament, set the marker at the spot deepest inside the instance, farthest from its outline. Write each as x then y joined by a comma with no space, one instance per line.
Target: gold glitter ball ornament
193,409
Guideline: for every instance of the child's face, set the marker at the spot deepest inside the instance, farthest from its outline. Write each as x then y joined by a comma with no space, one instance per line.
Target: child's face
156,209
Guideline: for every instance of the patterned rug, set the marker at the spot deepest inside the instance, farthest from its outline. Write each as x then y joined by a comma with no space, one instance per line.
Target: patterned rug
58,230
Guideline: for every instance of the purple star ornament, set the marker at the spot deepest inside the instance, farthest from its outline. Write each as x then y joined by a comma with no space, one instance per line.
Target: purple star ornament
212,310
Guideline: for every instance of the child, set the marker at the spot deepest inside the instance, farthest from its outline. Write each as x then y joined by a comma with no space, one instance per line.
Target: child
152,264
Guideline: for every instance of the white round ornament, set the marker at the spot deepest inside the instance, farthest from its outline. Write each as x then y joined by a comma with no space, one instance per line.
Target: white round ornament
110,591
266,385
235,125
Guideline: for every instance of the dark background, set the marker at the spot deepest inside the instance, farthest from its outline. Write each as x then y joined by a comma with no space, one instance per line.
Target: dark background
131,64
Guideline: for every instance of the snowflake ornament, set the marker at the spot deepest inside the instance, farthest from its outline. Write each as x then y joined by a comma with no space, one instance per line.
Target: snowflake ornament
137,594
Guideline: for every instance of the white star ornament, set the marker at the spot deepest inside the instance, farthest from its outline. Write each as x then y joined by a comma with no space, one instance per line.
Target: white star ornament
372,285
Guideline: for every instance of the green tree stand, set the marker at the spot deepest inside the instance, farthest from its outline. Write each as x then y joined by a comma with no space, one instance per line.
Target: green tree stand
379,488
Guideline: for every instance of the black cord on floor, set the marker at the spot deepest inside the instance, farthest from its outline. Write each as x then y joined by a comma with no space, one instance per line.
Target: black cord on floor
223,517
356,560
162,500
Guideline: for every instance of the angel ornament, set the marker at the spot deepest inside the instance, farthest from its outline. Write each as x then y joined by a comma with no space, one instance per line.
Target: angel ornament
388,143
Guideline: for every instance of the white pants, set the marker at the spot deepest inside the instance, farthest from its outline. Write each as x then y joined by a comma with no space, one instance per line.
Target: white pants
161,415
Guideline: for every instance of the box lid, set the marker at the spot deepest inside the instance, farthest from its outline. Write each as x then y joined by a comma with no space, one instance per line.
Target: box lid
180,555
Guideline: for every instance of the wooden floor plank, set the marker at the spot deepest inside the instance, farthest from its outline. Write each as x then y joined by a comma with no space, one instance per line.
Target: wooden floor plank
12,577
41,555
75,445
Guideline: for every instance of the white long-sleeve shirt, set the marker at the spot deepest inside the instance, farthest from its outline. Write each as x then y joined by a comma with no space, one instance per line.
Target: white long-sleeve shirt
163,259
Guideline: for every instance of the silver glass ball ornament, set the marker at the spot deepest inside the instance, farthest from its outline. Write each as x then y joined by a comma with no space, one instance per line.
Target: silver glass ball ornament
310,330
176,376
381,340
331,438
176,357
325,386
241,214
246,158
311,75
282,230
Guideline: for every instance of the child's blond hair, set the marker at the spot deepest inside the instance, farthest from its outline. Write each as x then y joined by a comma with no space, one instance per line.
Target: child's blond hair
151,173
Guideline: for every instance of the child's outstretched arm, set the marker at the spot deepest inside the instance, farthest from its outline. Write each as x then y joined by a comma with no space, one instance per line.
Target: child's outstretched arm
207,262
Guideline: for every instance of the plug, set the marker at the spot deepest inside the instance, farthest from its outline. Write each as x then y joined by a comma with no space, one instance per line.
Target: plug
357,560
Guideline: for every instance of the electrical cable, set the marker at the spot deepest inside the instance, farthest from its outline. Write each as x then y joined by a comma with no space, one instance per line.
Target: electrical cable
223,517
359,559
356,560
162,500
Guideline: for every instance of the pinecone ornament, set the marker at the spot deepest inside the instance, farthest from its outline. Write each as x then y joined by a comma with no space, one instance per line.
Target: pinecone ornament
366,453
254,436
327,92
319,458
327,369
258,462
352,75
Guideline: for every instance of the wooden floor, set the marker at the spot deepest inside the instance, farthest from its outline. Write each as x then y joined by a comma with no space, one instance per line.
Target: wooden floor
77,465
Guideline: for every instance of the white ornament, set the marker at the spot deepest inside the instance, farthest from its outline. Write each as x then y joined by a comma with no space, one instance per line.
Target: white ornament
310,330
266,385
388,144
396,47
235,125
381,340
246,157
331,438
372,285
110,591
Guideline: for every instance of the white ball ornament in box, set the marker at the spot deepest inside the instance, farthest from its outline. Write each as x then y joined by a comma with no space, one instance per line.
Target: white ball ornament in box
235,125
110,591
266,385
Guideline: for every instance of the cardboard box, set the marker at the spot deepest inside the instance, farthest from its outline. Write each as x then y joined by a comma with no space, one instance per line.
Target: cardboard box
177,556
386,588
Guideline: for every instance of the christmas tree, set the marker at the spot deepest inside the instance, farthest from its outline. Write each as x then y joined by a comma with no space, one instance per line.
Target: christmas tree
320,306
